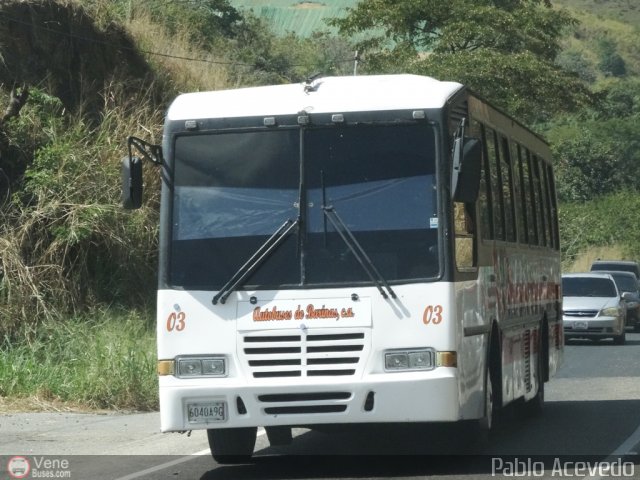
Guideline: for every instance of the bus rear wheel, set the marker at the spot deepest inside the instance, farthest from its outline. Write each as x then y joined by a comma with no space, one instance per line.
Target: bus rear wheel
232,445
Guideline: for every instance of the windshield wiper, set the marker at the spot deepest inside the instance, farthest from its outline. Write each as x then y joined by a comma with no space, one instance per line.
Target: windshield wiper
358,251
266,249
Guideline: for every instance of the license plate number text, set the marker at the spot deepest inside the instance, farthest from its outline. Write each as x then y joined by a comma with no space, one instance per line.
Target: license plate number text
206,412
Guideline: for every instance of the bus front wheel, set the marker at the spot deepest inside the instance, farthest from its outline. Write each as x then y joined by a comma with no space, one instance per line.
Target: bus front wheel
485,424
232,445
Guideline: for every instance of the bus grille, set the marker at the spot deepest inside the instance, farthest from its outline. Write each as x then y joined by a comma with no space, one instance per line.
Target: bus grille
303,354
297,403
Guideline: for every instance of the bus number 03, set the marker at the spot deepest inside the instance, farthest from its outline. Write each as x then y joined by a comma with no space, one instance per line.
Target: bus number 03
176,321
432,314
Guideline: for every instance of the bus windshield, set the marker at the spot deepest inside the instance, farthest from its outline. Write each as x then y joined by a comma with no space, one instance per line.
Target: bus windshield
233,190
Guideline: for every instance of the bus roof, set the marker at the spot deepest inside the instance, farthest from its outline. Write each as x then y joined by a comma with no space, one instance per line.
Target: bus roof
322,95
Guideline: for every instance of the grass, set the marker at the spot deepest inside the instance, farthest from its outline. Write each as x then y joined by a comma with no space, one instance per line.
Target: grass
584,260
103,361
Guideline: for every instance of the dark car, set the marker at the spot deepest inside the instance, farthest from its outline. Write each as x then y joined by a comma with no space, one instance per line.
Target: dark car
628,283
616,266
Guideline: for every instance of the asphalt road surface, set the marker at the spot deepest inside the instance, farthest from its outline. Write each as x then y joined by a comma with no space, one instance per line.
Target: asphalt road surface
592,414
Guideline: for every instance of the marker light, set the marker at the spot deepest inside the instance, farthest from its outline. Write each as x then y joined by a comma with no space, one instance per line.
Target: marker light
446,359
166,367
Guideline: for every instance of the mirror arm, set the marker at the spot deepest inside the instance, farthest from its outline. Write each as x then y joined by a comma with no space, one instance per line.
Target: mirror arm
148,151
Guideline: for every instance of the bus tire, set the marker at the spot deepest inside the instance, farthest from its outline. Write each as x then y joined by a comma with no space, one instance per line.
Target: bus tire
232,445
485,425
486,422
280,435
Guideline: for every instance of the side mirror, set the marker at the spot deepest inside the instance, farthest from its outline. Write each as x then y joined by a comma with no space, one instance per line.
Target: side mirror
629,296
465,173
131,183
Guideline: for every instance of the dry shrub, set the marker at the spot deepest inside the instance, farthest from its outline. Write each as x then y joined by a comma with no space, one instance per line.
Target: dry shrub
66,244
209,73
584,260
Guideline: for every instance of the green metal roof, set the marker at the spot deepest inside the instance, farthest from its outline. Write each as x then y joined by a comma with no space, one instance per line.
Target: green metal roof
298,16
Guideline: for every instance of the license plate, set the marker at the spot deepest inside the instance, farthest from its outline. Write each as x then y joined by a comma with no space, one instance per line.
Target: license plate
207,412
580,325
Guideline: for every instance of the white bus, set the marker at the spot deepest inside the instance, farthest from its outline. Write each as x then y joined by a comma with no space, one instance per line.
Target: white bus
372,249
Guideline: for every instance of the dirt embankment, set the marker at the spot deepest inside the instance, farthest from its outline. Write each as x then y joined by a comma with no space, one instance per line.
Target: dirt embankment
57,47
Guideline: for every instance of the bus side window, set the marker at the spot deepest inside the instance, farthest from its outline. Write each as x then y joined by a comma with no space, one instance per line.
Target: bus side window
554,207
484,195
521,199
497,201
464,236
507,190
530,198
547,202
541,204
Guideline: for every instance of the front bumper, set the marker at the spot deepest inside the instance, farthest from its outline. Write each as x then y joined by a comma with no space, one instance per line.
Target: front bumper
391,397
601,327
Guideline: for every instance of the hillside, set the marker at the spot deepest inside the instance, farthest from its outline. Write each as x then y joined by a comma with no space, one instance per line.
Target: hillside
303,17
626,11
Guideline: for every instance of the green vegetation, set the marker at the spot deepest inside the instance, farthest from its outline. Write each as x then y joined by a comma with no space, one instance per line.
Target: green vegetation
607,221
626,11
72,261
101,360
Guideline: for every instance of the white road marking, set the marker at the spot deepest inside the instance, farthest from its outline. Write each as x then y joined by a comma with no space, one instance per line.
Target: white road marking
177,461
162,466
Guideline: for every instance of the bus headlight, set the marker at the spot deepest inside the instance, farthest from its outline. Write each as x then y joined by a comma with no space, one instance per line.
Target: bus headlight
190,367
409,360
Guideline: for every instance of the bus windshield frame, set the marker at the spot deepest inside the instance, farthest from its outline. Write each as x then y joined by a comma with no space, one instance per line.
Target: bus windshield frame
232,189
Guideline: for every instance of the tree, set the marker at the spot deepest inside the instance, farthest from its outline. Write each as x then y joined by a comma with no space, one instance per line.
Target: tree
611,63
503,49
575,61
587,168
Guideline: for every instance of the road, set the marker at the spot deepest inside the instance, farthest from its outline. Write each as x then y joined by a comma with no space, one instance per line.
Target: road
592,410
